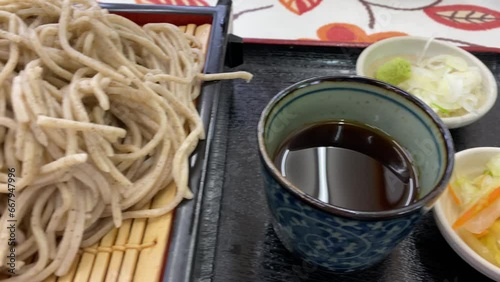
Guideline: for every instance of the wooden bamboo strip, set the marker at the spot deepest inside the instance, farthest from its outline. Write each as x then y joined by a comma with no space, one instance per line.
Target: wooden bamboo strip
50,279
150,264
103,258
131,255
202,33
190,28
115,263
71,273
85,266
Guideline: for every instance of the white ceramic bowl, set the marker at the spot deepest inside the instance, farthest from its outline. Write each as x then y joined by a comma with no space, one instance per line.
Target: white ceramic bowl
468,163
410,47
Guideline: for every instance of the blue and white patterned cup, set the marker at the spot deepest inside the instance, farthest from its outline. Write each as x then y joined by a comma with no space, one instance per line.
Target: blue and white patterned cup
336,238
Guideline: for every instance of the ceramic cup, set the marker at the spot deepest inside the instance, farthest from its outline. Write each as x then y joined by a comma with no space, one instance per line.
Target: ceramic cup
333,237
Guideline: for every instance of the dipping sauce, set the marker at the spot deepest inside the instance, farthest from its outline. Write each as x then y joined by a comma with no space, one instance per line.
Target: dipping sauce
349,165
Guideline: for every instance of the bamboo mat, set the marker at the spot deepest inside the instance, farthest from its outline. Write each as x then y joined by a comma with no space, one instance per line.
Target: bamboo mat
136,251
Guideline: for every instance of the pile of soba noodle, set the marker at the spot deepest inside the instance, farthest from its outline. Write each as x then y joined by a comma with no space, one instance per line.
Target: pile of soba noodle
93,117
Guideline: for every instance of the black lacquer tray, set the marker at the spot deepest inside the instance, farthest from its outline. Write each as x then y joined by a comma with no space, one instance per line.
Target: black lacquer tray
236,241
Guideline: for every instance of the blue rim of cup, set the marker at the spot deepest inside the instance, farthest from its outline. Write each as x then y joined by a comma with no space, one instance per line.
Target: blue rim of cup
426,201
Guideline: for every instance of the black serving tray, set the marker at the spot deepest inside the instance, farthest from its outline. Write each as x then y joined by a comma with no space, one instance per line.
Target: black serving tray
179,259
235,239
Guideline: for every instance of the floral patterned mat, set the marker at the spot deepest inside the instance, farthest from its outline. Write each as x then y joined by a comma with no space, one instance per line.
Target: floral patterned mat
465,22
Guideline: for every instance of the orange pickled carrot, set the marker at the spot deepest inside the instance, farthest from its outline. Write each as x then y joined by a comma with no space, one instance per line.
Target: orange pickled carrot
454,195
482,234
480,205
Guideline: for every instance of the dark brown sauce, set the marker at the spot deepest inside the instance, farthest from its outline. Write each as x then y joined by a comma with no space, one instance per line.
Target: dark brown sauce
349,165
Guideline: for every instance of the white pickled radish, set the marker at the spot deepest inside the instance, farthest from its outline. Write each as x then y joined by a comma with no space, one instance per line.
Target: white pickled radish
494,166
484,219
446,83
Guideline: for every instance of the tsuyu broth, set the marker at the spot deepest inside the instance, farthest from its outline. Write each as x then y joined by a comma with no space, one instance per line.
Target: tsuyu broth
349,165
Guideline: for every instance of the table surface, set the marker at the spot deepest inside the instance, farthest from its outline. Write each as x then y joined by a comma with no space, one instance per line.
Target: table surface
236,241
464,22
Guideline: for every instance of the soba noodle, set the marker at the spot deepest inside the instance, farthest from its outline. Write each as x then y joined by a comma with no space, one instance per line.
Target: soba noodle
93,117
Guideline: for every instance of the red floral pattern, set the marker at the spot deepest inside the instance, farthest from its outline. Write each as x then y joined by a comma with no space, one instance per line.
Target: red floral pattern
300,7
343,32
466,17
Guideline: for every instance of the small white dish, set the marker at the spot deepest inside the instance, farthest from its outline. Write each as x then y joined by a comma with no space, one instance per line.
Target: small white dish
468,163
410,47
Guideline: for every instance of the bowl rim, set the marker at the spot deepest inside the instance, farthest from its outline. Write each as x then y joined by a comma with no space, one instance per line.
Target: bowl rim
452,122
452,237
427,201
